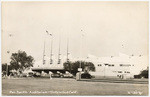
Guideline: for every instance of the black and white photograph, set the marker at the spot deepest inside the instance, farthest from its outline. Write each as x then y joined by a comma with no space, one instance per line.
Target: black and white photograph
74,48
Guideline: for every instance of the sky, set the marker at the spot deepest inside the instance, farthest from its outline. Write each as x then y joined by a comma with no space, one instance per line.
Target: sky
99,28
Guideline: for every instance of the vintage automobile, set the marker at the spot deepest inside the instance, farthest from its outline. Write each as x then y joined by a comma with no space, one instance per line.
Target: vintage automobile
86,75
56,75
67,75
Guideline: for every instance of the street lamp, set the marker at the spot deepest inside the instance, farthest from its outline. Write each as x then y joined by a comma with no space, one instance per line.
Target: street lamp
8,52
7,64
81,47
80,69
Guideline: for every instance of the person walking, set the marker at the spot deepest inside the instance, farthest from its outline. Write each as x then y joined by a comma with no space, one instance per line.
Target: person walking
50,75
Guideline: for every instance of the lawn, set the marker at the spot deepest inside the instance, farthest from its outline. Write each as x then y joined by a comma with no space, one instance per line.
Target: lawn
64,86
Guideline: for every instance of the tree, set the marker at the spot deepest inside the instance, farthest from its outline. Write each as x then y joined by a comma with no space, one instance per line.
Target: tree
144,73
4,67
21,61
72,67
67,66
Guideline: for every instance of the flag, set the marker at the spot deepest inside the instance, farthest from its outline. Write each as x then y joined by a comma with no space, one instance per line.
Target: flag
47,32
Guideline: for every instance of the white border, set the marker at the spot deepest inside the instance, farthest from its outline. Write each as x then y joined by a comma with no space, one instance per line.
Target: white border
71,0
75,0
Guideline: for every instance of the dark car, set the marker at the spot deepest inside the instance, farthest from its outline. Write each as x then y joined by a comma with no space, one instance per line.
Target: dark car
86,76
30,74
137,76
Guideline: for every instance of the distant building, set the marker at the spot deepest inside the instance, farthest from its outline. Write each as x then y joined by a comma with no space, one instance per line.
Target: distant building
123,66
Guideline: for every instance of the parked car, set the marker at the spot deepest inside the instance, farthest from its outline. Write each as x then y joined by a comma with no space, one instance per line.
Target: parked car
67,75
23,75
137,76
30,74
36,74
56,75
86,76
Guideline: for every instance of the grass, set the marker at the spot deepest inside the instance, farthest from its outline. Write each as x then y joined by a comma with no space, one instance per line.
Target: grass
66,86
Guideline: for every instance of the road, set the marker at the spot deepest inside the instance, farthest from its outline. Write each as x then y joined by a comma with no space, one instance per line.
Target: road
65,86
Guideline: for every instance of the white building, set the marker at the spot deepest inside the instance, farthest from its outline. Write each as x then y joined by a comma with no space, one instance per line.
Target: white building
123,66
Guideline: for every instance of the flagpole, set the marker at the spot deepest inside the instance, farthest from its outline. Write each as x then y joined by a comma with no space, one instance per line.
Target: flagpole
59,50
68,53
44,51
67,48
51,61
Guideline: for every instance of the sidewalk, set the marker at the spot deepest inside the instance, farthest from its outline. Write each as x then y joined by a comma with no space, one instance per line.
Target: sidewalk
110,80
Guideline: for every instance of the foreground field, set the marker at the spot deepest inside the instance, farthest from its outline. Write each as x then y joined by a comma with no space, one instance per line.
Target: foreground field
62,86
